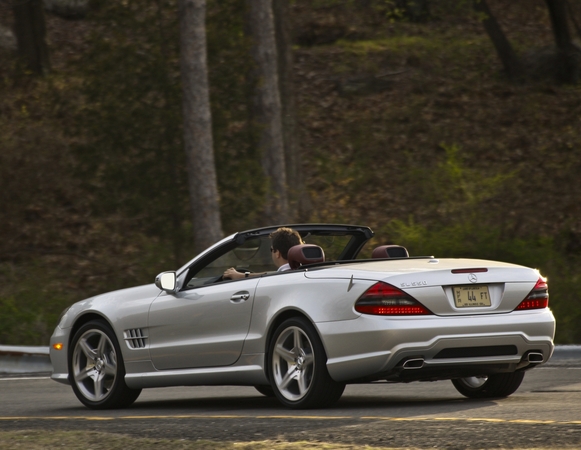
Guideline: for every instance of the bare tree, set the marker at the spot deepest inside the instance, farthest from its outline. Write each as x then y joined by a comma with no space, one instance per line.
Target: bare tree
510,60
569,56
266,112
30,32
558,15
299,201
197,115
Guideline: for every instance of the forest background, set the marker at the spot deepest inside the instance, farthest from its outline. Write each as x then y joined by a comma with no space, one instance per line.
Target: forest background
405,123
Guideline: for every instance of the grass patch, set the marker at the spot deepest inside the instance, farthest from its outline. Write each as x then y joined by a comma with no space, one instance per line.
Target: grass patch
80,440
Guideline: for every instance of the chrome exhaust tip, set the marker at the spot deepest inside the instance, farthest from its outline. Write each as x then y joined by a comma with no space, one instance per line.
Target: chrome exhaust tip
415,363
535,357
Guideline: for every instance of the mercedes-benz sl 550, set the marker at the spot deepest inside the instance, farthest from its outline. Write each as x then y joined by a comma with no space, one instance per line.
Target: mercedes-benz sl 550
303,334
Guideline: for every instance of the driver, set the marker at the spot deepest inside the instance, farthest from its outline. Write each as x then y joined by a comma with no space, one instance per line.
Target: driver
281,241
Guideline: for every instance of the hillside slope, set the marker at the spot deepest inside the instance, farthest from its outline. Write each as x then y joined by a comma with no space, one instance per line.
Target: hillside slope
408,128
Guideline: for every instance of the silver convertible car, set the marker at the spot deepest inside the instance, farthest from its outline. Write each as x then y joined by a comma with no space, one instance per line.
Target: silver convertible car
301,335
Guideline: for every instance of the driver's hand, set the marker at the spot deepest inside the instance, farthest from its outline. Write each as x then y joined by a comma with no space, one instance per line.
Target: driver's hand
232,274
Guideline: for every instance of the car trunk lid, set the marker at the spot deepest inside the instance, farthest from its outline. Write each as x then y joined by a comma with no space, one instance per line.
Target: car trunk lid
448,287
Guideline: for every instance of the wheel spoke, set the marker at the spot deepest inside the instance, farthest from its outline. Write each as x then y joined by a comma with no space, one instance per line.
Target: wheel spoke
110,368
87,350
308,360
99,387
303,381
298,342
288,378
102,345
84,374
284,353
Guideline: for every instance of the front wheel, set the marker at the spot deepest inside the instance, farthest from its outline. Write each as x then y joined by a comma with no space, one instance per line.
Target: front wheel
491,386
96,368
298,370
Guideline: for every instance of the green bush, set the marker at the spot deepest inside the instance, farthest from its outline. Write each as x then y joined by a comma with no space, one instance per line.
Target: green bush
463,226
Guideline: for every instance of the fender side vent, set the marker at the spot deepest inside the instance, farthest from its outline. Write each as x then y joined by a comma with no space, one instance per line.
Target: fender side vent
135,338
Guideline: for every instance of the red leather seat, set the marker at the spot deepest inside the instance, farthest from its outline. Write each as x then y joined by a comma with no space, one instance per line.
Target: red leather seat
300,255
390,251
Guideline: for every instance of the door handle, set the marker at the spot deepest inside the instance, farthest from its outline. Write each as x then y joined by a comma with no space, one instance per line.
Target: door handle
240,297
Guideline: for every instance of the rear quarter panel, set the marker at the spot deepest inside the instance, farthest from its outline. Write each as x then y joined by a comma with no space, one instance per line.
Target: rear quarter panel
320,300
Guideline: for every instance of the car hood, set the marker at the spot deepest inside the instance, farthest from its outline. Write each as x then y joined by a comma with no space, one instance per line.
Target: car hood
108,301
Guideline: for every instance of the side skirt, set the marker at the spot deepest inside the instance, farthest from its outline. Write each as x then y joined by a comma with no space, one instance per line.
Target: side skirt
249,375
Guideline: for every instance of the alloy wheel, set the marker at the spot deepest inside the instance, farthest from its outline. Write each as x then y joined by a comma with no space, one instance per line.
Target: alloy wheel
293,363
94,365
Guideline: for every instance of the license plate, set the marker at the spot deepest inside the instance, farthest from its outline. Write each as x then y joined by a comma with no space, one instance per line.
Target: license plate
471,296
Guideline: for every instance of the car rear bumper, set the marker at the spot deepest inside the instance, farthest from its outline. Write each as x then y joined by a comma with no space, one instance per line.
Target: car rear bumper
428,347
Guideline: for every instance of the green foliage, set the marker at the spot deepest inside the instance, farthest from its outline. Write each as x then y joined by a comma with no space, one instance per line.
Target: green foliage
130,150
455,191
92,170
241,182
487,242
35,290
463,228
130,123
114,209
455,197
29,313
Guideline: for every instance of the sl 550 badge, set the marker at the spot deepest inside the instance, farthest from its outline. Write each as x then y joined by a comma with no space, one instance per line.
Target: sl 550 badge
415,284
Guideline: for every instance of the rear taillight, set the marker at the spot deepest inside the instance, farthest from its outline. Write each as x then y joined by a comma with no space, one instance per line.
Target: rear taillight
383,299
538,297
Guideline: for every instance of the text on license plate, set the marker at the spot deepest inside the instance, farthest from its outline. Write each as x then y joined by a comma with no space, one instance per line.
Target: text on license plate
471,296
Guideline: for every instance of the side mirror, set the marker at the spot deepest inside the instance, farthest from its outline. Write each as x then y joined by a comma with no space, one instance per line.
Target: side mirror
166,281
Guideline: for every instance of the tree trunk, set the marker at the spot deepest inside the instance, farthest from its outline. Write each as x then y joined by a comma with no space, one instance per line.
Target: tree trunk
267,110
571,13
558,14
299,202
198,141
569,56
30,32
508,57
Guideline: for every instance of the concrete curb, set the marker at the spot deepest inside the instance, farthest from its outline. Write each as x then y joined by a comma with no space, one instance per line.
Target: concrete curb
19,360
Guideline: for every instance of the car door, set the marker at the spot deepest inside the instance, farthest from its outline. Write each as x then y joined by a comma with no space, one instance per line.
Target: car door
201,327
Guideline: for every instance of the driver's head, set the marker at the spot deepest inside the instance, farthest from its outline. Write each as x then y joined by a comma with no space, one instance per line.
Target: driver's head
283,239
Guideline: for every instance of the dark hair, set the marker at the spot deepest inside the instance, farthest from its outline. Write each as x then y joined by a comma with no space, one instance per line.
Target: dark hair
283,239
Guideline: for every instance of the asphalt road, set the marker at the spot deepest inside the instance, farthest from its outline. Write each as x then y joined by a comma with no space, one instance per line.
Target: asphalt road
544,413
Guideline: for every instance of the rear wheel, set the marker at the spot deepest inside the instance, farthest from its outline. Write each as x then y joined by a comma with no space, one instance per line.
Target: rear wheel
489,386
298,370
96,368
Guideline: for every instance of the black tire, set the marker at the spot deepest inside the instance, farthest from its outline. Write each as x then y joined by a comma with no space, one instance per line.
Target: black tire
96,368
492,386
297,367
265,390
